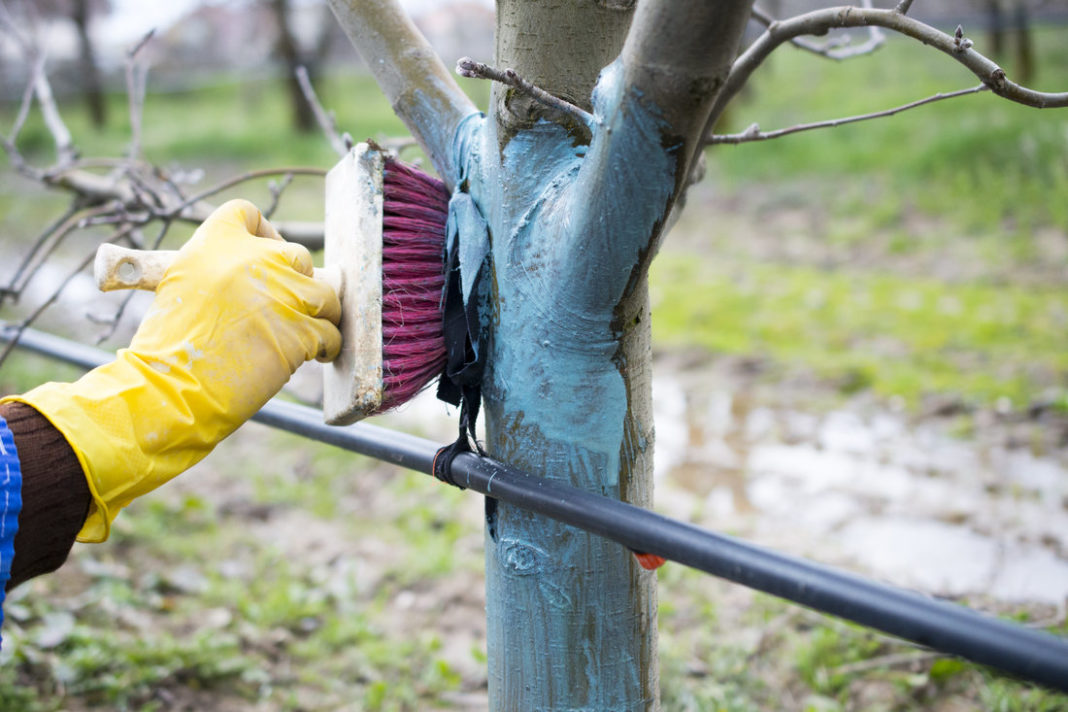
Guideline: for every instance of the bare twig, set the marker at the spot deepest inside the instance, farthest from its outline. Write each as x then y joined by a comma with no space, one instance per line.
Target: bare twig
467,67
819,22
26,102
326,120
753,133
838,48
179,211
12,291
47,243
276,190
903,6
136,83
29,320
65,151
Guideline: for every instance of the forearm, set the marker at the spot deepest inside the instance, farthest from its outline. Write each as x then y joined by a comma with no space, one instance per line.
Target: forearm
55,496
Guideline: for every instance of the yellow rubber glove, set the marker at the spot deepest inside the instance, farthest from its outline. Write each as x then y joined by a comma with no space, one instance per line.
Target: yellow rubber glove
233,318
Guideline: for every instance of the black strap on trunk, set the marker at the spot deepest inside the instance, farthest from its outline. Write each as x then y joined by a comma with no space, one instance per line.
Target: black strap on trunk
467,261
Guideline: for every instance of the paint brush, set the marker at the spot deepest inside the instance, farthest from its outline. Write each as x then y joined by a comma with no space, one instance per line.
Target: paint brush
384,244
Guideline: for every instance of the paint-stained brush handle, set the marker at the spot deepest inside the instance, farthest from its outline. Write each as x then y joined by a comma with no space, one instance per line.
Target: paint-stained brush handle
118,267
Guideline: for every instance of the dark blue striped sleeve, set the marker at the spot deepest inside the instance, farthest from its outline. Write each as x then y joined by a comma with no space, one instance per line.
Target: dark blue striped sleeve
10,505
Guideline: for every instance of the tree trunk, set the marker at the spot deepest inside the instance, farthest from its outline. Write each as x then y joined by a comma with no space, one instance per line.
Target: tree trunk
995,28
574,209
92,87
571,616
1022,45
303,115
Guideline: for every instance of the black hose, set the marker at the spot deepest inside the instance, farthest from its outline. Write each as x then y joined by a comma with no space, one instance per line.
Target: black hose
1029,654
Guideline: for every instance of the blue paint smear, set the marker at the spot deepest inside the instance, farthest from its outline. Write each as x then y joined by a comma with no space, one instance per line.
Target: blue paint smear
568,226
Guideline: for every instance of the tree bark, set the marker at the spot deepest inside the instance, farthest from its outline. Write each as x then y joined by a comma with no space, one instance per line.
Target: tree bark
303,115
1023,45
92,87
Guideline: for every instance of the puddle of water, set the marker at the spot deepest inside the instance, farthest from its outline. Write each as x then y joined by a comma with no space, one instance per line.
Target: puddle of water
905,504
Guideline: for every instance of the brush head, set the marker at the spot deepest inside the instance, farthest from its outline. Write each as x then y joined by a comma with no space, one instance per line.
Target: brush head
384,239
416,209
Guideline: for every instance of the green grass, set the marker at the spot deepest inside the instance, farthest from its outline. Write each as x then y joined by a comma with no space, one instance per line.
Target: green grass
899,336
976,180
976,159
768,654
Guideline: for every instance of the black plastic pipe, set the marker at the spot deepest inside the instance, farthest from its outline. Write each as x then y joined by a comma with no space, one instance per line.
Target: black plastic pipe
1027,653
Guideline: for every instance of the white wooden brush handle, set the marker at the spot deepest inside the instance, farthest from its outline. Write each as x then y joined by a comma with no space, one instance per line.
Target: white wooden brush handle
122,268
118,267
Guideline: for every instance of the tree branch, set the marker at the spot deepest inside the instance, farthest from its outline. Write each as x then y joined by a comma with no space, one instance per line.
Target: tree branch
340,144
753,133
821,21
136,82
680,65
96,189
467,67
651,105
839,48
420,88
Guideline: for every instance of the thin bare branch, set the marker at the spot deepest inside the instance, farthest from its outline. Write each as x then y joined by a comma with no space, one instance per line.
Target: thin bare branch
42,88
12,290
179,211
136,84
65,152
276,190
26,102
467,67
36,314
47,243
903,6
837,48
96,189
753,133
821,21
326,119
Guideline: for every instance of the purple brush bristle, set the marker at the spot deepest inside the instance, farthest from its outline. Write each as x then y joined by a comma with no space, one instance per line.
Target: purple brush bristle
413,275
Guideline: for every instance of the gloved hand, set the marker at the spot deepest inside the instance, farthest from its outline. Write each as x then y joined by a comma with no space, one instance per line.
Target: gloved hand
233,318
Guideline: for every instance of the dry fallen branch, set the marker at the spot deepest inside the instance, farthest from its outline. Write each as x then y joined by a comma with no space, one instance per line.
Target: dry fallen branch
753,133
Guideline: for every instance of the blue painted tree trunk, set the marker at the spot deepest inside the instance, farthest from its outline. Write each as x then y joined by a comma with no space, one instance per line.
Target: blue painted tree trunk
571,616
575,212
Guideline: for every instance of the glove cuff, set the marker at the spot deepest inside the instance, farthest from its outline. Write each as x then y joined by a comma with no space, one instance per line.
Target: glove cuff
130,428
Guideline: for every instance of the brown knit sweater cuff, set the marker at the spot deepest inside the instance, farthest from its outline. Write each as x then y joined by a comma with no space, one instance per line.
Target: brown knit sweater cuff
55,495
